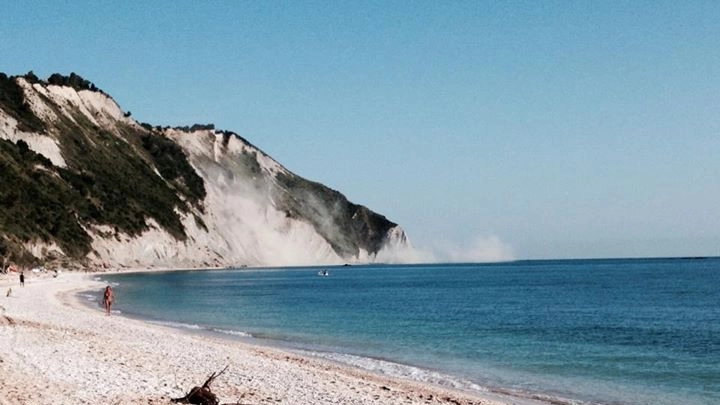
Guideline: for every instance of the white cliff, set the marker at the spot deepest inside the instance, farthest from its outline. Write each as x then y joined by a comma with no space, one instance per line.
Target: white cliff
244,218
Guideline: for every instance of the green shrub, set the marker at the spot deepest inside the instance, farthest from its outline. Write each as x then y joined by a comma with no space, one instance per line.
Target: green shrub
12,101
74,81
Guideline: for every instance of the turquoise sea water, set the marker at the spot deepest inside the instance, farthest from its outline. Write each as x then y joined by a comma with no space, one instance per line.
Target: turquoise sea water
574,331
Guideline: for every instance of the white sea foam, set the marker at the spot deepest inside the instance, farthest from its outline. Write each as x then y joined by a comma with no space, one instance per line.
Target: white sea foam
232,332
397,370
179,325
89,297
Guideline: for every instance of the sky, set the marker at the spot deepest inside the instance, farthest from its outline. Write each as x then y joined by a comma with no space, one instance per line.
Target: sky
487,130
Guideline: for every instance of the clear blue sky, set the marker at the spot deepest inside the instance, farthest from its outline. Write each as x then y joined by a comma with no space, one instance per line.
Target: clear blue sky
555,129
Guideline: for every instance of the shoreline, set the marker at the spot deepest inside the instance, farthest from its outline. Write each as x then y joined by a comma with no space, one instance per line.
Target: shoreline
56,349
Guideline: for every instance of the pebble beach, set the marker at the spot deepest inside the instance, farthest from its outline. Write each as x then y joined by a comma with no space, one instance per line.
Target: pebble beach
56,350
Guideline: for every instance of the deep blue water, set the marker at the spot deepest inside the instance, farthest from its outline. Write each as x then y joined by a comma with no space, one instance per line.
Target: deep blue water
584,331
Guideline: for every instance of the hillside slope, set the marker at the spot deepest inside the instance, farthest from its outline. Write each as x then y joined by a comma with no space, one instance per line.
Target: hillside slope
83,184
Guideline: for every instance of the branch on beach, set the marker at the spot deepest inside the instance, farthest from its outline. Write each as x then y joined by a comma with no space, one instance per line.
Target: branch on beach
201,395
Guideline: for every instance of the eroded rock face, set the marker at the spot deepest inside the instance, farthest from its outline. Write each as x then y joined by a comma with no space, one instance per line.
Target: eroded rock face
83,181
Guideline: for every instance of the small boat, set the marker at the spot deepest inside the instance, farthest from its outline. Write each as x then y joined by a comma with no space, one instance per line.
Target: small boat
323,273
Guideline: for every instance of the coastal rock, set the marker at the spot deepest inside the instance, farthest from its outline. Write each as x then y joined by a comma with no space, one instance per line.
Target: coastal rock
83,184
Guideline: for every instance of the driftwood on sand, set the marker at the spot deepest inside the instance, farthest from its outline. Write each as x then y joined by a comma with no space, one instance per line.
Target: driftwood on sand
202,395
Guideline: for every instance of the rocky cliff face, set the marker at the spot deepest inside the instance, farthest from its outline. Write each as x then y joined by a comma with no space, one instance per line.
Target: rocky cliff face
84,184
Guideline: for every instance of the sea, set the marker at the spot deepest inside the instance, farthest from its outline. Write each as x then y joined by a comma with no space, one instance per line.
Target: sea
615,331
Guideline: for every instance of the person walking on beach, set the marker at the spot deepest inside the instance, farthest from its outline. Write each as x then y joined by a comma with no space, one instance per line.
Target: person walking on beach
22,279
108,298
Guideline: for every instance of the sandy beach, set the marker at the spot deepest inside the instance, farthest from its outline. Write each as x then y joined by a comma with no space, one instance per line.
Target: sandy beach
56,350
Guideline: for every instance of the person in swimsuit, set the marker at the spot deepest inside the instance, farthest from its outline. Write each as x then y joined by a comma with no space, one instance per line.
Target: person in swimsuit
108,299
